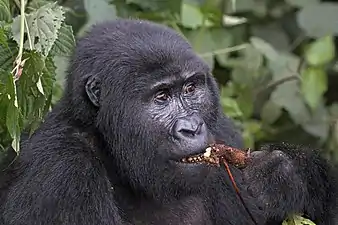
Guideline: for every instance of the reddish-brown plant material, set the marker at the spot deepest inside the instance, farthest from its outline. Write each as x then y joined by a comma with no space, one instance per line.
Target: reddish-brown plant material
234,156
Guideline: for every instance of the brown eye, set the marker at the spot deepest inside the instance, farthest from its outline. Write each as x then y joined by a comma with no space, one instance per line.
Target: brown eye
162,96
189,88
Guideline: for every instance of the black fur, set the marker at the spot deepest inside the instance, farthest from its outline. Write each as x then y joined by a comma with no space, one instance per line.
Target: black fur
105,154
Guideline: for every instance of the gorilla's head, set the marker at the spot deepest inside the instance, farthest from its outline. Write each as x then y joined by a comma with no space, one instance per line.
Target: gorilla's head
151,98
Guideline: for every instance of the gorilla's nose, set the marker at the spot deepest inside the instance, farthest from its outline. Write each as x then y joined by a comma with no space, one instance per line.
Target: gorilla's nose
190,128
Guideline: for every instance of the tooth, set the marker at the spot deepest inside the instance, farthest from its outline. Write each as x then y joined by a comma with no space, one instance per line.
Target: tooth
190,159
207,152
183,160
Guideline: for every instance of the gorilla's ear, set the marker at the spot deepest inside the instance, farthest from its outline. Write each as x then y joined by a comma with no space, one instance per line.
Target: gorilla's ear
93,90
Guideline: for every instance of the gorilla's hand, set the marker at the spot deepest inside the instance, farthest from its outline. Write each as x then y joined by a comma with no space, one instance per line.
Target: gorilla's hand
288,179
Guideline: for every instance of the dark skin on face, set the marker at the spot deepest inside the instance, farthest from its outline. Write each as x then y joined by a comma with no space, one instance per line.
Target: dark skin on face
175,105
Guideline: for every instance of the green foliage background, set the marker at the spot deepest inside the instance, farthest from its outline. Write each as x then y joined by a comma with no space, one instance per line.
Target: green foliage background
275,61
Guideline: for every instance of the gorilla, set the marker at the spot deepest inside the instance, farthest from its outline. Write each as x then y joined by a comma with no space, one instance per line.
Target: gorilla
137,101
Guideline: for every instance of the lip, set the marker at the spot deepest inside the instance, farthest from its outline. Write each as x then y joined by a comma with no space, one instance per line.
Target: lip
197,153
183,164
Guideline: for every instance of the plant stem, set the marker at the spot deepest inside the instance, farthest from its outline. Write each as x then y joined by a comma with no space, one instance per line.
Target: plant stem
224,50
22,29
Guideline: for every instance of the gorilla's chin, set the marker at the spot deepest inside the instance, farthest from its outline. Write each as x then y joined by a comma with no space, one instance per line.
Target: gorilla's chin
192,174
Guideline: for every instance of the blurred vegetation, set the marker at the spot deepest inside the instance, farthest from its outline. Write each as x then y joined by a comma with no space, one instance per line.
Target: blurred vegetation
275,60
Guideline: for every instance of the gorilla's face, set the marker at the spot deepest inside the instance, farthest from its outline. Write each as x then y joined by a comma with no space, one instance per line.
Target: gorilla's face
174,114
178,106
157,104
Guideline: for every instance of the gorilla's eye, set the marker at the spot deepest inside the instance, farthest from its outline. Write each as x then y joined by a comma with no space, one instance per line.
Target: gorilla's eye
189,88
162,96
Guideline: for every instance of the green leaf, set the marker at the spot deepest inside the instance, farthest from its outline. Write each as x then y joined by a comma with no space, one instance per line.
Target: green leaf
12,117
5,12
318,26
245,102
222,39
192,17
210,42
251,129
297,220
28,92
65,43
3,38
313,85
230,107
43,26
202,42
321,52
49,76
33,68
7,55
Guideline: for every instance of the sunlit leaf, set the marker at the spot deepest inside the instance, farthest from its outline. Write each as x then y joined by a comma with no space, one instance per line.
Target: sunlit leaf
297,220
192,17
39,86
313,85
320,52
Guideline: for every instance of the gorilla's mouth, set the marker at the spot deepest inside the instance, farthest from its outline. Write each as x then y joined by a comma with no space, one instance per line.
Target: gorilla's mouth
201,158
217,153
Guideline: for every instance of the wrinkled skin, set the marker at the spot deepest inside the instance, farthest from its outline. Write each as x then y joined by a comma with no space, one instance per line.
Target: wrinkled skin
138,99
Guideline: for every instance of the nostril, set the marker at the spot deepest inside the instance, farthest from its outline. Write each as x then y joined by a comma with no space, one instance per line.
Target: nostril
188,127
191,130
187,132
